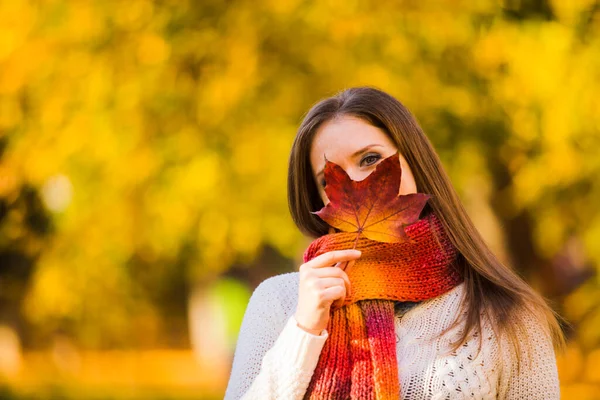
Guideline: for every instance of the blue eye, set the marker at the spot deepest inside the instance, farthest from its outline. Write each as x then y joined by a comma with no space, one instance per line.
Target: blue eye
371,159
323,183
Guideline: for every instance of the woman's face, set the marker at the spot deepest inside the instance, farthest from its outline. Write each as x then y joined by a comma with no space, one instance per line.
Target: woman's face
357,147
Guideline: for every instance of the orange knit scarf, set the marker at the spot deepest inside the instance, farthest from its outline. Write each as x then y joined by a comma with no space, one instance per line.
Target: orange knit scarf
358,360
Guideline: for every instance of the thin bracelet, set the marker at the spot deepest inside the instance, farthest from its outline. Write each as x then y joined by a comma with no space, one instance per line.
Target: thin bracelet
320,331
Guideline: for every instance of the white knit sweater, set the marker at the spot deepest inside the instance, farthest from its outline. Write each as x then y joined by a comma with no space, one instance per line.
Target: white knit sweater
274,359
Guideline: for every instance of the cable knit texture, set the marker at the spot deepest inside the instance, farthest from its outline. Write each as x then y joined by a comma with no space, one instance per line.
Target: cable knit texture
358,360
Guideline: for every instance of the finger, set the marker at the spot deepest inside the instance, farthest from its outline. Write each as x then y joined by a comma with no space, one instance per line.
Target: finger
333,257
337,304
344,276
349,265
328,272
334,293
325,283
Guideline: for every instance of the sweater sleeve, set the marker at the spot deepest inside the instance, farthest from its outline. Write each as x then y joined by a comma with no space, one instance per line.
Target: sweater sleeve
538,377
274,358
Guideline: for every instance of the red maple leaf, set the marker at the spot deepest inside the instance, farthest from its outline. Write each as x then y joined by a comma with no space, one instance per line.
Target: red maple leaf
371,207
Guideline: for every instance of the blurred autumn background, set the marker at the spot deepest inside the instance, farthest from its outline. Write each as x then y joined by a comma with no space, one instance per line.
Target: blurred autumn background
143,157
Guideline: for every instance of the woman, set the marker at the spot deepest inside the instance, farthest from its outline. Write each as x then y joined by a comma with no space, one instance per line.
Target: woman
482,333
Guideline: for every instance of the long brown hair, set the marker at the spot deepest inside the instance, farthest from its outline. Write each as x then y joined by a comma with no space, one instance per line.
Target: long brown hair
492,288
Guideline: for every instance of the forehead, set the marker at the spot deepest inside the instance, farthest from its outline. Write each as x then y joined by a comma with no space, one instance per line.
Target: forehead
339,138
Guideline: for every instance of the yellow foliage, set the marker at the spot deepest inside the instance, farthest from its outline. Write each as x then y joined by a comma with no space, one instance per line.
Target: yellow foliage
580,391
10,113
570,364
54,293
593,367
155,137
152,49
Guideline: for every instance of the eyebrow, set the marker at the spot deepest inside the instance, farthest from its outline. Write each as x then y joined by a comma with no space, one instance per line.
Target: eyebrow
355,154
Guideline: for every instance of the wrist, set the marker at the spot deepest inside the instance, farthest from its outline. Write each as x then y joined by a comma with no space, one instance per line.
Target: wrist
317,332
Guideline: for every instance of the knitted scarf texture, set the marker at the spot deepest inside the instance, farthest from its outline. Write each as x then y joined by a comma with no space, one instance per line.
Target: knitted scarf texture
358,360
